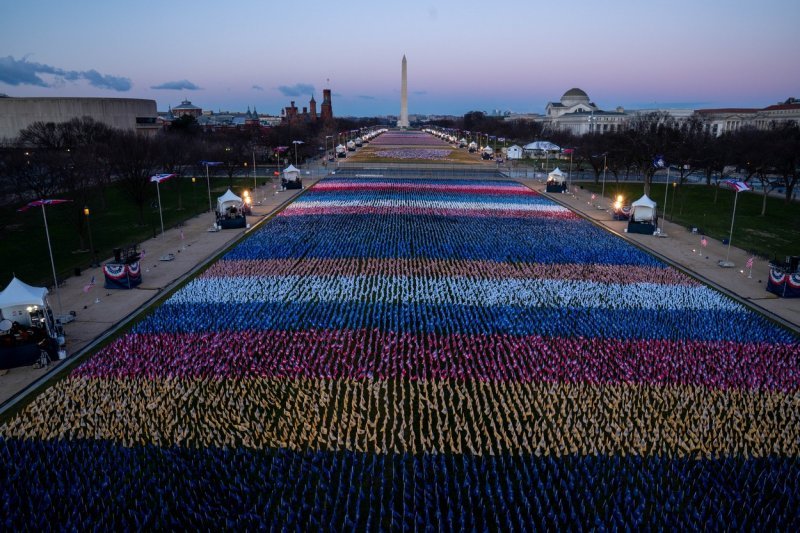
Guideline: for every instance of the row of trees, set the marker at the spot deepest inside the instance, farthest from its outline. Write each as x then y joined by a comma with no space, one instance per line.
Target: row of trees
769,157
81,157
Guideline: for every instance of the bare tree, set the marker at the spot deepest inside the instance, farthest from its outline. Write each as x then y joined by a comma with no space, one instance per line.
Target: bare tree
135,161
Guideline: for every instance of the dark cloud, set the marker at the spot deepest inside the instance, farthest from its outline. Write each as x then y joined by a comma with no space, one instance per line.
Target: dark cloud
257,88
182,85
23,72
366,97
298,89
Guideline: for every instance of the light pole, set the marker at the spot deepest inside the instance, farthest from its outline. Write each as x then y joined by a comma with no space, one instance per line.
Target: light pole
737,186
158,178
666,189
255,184
326,145
208,180
89,230
42,203
605,167
295,143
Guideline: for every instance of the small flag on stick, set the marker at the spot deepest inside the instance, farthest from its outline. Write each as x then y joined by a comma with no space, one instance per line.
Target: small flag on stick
88,286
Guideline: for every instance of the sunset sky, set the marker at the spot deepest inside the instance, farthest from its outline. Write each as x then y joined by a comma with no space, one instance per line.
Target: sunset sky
462,55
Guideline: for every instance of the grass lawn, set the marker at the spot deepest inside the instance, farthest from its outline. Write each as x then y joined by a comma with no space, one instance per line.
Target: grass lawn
23,243
775,235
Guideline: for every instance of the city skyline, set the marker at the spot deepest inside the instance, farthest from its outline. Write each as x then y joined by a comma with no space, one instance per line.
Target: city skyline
463,56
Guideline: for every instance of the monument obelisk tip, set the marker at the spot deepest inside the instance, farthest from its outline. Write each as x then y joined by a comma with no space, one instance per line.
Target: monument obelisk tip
403,120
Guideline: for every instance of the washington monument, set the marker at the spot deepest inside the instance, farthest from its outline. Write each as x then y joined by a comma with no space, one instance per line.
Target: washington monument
403,121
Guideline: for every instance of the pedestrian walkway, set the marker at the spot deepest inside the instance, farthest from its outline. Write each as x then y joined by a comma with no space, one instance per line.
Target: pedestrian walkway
684,248
99,310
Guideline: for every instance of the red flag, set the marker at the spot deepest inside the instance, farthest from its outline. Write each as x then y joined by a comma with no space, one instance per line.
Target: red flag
88,286
736,185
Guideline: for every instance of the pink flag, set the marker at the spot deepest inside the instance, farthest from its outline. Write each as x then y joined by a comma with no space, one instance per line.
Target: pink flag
88,286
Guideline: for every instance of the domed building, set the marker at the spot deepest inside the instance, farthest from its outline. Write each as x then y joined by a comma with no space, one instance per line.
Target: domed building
575,112
574,100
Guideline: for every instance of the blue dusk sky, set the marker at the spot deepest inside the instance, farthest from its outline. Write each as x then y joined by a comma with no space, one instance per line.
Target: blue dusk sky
462,55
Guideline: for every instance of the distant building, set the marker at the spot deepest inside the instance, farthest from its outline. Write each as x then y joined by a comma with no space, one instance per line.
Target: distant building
576,113
186,108
727,120
326,110
132,114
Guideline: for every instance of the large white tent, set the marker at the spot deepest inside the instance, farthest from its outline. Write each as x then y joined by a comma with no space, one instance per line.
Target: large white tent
643,210
556,176
291,173
541,146
228,200
17,297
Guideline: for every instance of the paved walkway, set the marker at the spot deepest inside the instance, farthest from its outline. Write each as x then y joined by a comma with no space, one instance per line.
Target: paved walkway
99,310
683,248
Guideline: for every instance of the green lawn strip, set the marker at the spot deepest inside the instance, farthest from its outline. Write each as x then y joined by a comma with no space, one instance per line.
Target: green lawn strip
24,244
775,235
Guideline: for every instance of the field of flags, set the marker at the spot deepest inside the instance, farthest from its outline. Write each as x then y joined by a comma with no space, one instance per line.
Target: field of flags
419,353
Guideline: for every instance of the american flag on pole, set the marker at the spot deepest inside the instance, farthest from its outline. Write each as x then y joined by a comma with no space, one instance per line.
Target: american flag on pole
749,263
40,203
88,286
158,178
736,185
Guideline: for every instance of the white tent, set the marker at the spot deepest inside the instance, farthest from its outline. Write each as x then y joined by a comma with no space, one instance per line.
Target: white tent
291,173
17,297
514,152
541,146
556,176
643,210
227,200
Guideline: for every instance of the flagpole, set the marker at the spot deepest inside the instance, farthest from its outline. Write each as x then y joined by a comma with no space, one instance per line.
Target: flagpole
52,262
160,215
664,214
730,234
208,184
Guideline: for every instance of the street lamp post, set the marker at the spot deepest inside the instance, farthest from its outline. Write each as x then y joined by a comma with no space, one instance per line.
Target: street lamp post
605,167
295,143
89,230
208,185
41,203
158,178
208,180
666,189
255,184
